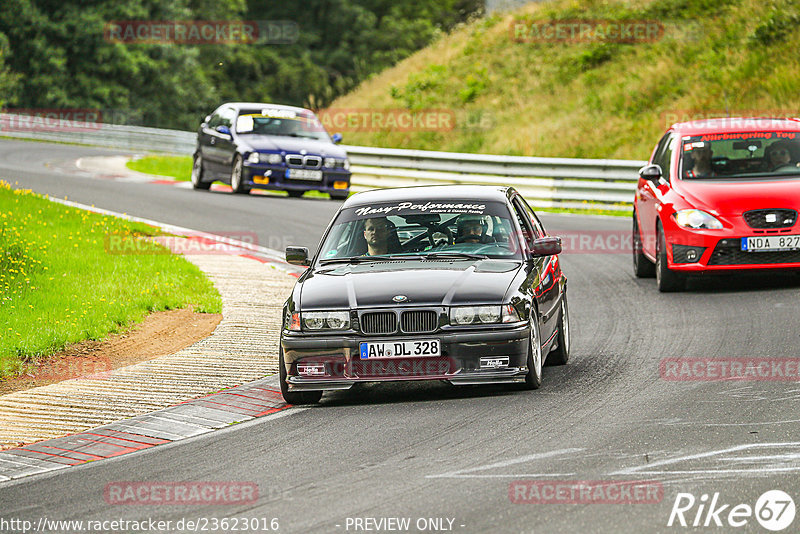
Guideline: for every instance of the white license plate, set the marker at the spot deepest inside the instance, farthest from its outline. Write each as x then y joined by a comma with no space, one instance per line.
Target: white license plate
771,243
303,174
400,349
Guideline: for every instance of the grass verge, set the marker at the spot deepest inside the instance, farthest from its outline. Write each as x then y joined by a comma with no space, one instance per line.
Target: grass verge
592,98
59,284
178,167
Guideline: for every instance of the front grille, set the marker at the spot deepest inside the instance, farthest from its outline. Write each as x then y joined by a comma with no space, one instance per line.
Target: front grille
778,218
379,323
725,254
418,322
306,162
294,160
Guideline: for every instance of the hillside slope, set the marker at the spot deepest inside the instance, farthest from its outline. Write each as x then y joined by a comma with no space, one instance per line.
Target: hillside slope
597,98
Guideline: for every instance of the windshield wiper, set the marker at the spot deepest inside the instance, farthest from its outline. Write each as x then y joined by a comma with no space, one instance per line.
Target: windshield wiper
456,255
368,259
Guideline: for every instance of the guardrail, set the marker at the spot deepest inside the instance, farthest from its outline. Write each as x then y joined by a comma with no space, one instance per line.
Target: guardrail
546,182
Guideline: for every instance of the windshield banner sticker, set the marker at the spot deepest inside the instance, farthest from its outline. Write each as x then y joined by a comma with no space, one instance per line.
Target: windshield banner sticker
428,207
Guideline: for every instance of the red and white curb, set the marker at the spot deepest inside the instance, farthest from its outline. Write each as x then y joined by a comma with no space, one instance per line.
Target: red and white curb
191,418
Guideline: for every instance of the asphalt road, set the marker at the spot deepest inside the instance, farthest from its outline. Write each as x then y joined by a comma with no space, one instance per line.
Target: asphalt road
427,451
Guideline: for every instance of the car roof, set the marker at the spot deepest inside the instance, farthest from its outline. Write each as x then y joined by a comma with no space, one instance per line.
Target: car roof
736,124
460,193
246,105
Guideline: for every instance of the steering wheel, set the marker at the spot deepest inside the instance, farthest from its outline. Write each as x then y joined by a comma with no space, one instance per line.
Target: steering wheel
445,236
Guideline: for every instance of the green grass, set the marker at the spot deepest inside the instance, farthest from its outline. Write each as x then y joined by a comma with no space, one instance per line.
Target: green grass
591,99
61,282
178,167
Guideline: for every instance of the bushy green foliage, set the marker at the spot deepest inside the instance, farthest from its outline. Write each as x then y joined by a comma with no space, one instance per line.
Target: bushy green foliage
56,56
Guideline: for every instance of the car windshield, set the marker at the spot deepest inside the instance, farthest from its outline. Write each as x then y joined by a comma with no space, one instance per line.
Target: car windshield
740,155
442,230
281,122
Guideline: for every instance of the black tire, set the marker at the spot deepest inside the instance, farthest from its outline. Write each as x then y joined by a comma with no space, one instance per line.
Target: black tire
294,397
642,266
667,281
560,355
237,183
534,377
198,174
294,193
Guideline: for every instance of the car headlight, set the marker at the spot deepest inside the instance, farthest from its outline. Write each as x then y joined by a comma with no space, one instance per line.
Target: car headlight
274,159
335,163
509,313
461,315
697,219
253,157
326,320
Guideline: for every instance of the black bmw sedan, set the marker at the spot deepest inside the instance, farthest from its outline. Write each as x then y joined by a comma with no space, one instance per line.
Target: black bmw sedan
455,283
266,146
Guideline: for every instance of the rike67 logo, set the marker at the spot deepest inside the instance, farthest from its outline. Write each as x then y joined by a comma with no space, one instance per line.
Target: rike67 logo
774,510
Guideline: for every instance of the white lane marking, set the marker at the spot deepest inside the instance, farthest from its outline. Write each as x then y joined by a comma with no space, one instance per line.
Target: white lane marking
464,473
648,468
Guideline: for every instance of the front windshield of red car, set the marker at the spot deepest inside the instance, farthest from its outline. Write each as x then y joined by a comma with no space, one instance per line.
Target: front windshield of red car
740,155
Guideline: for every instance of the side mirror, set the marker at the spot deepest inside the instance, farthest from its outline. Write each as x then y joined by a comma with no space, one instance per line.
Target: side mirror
546,246
336,138
223,129
652,173
297,256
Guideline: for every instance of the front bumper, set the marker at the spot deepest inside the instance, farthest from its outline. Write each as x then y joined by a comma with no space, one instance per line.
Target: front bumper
460,362
698,251
274,177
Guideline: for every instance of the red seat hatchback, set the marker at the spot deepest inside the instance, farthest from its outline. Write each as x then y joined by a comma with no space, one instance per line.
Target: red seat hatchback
719,195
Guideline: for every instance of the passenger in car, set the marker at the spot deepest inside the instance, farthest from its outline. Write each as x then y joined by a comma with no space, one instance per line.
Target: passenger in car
779,154
472,229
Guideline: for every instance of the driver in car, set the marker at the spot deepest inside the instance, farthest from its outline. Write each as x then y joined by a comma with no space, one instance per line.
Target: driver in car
472,229
376,233
701,161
